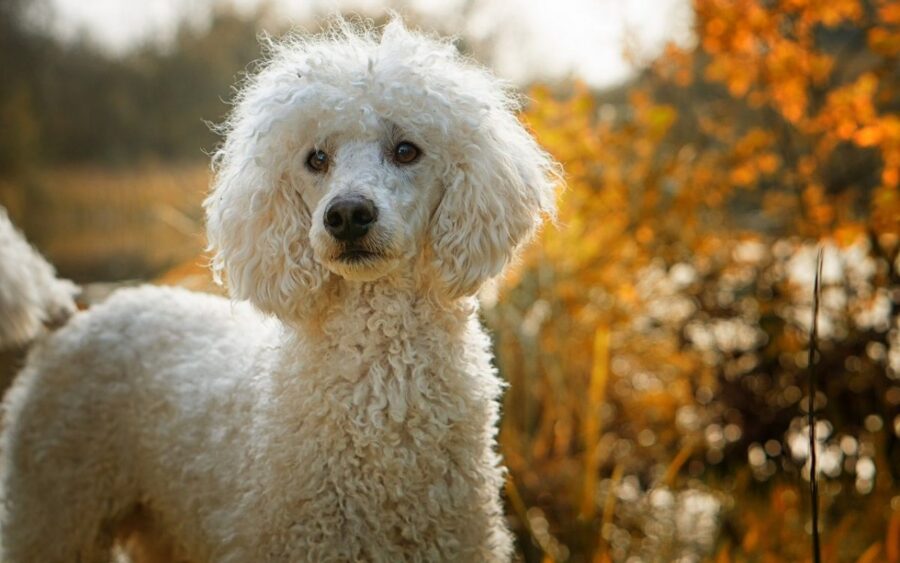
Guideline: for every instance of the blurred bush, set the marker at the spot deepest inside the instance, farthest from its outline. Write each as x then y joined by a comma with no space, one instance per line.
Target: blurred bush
71,103
655,340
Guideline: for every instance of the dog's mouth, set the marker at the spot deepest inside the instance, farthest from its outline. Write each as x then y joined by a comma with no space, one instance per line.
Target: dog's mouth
358,256
361,262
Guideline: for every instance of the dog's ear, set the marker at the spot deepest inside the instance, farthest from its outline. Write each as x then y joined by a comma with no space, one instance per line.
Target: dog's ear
257,224
495,196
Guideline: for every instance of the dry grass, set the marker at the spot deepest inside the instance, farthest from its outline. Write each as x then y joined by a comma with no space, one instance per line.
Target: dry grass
95,223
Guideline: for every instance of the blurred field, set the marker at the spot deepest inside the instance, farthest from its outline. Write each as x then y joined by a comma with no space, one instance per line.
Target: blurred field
97,223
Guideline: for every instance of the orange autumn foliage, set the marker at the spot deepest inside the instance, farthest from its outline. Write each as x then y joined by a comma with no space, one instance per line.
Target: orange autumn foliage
683,206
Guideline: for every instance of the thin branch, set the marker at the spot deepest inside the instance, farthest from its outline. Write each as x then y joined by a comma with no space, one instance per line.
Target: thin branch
811,414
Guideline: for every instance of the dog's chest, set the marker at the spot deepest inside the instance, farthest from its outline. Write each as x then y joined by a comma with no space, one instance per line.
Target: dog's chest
393,456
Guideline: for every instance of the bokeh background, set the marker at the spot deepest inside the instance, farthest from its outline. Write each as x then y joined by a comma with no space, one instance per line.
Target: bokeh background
655,338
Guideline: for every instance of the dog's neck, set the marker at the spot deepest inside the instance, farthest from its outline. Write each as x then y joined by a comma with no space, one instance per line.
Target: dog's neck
387,346
401,303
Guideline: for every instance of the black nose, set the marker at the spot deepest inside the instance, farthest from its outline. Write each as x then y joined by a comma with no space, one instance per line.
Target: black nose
349,218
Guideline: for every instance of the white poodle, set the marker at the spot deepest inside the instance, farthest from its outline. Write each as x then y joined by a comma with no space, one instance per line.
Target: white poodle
347,409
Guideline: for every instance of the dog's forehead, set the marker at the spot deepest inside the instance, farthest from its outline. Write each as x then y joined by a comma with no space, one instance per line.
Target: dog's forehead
319,90
380,108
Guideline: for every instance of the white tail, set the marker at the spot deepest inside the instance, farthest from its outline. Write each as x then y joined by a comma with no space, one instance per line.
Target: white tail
31,296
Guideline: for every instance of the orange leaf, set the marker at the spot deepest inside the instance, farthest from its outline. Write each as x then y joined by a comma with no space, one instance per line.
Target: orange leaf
892,539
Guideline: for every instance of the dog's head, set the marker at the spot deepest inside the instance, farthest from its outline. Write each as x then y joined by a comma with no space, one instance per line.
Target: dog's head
351,157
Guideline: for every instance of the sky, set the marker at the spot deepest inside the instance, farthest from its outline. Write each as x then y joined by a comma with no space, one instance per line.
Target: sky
532,39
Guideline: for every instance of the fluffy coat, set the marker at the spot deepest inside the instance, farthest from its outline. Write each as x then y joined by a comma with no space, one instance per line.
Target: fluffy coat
335,409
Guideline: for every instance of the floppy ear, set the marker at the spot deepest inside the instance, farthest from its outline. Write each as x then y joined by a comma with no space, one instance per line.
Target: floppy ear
257,224
494,198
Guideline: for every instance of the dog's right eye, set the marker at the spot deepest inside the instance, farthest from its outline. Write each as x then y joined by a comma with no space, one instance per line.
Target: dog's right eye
317,161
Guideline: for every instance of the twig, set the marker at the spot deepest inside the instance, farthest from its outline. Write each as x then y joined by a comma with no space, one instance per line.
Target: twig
811,415
609,507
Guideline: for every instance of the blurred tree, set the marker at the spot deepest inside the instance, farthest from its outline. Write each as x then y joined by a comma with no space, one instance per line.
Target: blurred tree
686,240
154,103
70,103
19,51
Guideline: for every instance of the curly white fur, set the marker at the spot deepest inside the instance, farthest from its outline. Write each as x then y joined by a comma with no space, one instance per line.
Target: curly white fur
357,421
31,295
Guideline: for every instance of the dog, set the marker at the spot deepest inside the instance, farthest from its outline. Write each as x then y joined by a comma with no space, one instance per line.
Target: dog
343,405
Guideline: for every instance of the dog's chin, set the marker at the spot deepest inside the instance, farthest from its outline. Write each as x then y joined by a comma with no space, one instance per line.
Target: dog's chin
361,265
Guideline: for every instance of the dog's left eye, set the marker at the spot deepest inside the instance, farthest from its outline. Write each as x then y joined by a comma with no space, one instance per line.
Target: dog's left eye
406,153
317,161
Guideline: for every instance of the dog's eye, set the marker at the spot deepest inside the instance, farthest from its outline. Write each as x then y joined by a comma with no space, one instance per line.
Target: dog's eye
406,153
317,161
